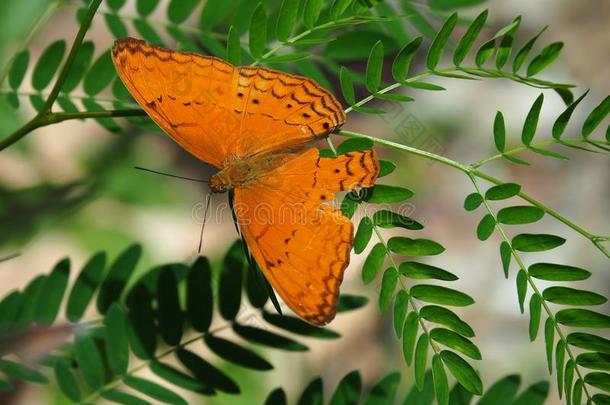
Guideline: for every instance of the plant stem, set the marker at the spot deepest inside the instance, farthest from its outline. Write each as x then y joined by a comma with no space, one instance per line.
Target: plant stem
530,281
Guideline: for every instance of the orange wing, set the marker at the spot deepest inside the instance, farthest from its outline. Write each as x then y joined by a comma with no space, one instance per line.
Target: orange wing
217,111
301,244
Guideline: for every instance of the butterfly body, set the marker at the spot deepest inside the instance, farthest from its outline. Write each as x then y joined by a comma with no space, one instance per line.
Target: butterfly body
257,126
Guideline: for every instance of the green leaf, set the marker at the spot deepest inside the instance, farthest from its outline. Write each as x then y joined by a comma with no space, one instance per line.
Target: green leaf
116,26
536,242
521,288
286,19
296,325
276,397
421,271
441,295
535,311
401,306
531,121
388,285
390,219
356,45
339,7
485,52
353,145
349,205
384,390
545,58
421,357
583,318
351,302
463,372
154,390
386,168
312,394
518,215
562,121
486,227
373,263
9,310
409,336
440,42
18,68
206,372
426,396
571,296
402,62
258,31
596,116
424,86
90,361
147,32
121,397
99,75
535,394
503,191
66,381
215,12
236,354
169,313
230,282
459,396
446,317
414,247
502,391
142,327
455,341
523,53
117,342
549,340
311,13
267,338
118,275
469,38
589,342
601,399
560,352
179,10
22,372
348,390
145,7
199,296
473,201
374,67
179,378
594,361
499,132
441,386
288,57
47,64
27,313
599,380
52,293
233,46
116,4
506,43
505,255
577,392
347,86
557,272
394,97
568,378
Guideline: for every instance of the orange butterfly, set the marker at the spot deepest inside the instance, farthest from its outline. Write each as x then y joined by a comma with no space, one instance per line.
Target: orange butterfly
256,125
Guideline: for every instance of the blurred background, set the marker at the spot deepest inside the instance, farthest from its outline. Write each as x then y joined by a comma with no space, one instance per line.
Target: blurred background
71,190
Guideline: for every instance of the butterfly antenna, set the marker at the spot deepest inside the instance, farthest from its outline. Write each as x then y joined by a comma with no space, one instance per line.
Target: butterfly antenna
205,217
171,175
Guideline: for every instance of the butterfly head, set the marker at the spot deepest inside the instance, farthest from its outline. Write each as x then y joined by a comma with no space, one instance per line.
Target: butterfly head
220,182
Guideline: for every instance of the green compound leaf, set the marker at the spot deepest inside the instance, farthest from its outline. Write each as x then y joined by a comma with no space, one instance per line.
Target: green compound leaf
374,67
446,317
531,121
473,201
441,295
503,191
441,385
421,271
390,219
388,285
499,132
535,311
583,318
414,247
572,296
595,117
536,242
52,293
518,215
236,354
523,53
286,19
463,372
18,69
545,58
409,336
381,193
437,47
258,32
486,227
469,38
402,62
589,342
48,64
373,263
557,272
401,306
455,341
